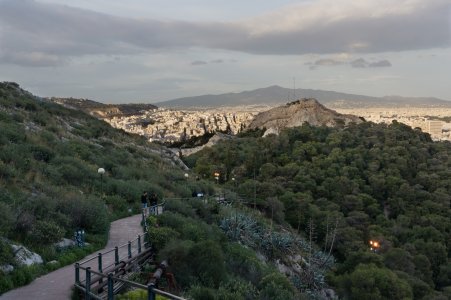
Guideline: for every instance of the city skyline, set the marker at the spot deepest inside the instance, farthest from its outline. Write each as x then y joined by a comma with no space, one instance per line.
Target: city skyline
151,51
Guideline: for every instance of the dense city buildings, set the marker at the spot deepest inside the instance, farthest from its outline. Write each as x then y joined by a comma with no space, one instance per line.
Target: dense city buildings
168,125
433,120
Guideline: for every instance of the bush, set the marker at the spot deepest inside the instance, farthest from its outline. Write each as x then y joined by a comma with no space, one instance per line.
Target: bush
276,286
243,262
207,263
6,283
6,218
371,282
46,232
85,213
201,293
159,236
176,252
6,252
181,207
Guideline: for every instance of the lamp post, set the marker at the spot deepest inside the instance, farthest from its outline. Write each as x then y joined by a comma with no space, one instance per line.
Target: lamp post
186,177
101,171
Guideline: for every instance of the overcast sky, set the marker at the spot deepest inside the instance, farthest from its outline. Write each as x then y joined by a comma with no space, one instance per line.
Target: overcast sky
117,51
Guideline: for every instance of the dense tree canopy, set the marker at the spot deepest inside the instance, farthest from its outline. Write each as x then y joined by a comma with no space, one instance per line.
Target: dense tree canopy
385,183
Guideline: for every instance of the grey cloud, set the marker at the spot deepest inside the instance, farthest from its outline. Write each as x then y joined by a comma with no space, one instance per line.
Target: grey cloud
57,32
359,63
328,62
362,63
198,63
33,59
380,64
217,61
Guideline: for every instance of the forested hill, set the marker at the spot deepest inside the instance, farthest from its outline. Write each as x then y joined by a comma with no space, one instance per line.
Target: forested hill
383,183
49,185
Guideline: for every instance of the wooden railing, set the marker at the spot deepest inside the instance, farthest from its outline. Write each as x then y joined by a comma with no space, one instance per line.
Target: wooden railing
105,274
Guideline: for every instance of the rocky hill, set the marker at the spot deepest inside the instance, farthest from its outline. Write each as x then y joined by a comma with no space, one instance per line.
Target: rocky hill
298,112
101,110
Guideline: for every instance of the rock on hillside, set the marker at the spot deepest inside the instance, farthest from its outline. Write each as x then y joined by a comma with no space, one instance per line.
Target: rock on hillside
298,112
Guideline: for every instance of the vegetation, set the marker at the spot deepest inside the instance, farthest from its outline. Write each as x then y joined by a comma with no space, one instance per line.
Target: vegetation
219,252
49,185
383,183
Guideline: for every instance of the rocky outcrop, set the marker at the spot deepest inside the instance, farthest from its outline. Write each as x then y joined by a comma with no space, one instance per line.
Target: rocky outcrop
297,113
211,142
23,256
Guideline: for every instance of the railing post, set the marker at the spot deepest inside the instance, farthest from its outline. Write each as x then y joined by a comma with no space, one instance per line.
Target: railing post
150,292
129,249
88,284
99,258
139,243
77,273
116,255
110,287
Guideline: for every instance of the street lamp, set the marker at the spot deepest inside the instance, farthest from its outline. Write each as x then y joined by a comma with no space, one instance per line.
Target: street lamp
216,174
186,183
101,171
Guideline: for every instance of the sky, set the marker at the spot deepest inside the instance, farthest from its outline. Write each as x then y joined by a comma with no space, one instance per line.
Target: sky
116,51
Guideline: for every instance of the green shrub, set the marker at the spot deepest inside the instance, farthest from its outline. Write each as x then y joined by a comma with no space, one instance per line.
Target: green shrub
207,263
6,283
6,218
159,236
6,252
176,252
236,289
180,206
85,213
46,232
371,282
276,286
138,294
243,262
198,292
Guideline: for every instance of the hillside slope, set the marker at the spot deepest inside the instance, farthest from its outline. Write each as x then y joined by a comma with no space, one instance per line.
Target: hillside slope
387,188
49,181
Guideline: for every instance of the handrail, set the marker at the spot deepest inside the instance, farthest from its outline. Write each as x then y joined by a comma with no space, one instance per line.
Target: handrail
119,266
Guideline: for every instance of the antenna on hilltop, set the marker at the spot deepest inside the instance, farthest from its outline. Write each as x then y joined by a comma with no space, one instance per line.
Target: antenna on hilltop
294,88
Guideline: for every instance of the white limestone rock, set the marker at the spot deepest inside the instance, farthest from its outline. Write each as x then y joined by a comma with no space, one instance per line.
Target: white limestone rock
24,256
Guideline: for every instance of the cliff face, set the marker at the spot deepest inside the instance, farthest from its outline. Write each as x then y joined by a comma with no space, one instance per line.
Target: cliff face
296,113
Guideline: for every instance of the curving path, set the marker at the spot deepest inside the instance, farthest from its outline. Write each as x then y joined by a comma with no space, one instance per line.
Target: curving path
57,285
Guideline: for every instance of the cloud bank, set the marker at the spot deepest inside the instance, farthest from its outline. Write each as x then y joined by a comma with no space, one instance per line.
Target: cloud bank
39,34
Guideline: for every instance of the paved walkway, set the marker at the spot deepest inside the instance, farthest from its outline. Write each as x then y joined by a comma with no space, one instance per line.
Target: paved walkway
57,285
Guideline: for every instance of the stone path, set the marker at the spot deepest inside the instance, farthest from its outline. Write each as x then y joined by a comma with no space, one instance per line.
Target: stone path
57,285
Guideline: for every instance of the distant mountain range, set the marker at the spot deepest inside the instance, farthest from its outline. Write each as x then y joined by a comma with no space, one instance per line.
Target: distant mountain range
276,95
